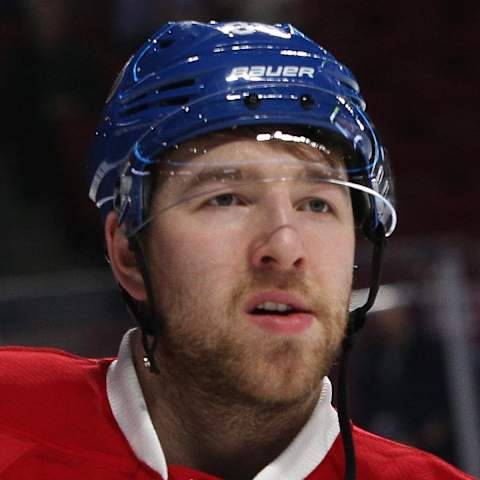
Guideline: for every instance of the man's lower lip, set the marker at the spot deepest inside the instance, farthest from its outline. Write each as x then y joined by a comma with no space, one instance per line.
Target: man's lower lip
287,324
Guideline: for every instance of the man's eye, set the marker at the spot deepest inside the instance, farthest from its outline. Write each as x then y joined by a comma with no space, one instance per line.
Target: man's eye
224,200
317,205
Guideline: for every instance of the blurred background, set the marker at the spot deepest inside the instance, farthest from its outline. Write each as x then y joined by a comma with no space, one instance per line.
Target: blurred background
416,370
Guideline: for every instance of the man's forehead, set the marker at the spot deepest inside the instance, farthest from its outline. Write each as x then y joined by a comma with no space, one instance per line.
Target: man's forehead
243,161
247,150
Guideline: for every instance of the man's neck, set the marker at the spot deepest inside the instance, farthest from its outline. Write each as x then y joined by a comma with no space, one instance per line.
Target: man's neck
226,437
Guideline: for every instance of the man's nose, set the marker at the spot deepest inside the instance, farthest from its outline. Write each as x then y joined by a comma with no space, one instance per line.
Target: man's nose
280,243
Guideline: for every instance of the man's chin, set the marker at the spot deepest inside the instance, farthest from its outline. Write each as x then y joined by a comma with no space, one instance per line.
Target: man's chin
284,376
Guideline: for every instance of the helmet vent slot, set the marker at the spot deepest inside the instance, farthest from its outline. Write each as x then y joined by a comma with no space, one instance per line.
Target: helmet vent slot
189,82
173,101
166,42
168,102
165,100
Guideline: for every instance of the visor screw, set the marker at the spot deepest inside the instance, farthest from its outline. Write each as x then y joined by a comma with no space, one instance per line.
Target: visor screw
307,102
252,100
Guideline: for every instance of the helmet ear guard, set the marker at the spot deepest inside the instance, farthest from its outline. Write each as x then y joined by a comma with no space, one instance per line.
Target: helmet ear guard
124,194
147,194
121,194
361,208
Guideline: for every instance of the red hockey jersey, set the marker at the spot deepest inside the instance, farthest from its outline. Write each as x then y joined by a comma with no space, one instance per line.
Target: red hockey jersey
62,417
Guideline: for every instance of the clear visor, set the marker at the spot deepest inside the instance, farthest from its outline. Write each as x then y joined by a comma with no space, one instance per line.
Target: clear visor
227,180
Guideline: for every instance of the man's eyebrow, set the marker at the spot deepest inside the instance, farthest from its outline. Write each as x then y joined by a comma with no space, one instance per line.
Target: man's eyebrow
246,173
217,173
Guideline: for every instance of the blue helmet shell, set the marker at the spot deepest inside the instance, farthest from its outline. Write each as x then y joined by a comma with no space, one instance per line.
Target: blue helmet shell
191,78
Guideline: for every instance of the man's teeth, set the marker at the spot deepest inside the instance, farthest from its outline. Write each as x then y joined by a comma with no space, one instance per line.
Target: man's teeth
275,307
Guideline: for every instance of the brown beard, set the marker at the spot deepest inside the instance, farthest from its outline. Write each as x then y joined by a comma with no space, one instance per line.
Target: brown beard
233,370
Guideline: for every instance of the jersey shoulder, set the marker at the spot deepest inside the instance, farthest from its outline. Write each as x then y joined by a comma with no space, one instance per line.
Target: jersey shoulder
378,457
47,370
52,396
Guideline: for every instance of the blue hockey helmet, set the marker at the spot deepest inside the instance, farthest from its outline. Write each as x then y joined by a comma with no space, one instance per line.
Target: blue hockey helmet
190,79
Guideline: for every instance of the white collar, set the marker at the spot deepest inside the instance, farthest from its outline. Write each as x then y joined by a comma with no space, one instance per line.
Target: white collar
128,405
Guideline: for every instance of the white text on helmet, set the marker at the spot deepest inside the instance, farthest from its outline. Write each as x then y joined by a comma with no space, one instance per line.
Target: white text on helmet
252,72
244,28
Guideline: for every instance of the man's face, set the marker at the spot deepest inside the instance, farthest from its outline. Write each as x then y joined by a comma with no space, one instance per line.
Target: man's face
221,260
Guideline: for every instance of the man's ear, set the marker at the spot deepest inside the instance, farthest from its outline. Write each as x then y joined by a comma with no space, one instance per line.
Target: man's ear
122,259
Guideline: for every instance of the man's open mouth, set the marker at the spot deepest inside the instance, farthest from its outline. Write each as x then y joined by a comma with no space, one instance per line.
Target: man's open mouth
272,308
279,312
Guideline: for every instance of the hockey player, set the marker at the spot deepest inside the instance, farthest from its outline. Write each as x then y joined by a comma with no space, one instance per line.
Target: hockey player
235,169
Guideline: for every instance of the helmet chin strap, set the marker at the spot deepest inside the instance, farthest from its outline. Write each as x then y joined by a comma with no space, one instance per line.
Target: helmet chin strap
144,316
356,321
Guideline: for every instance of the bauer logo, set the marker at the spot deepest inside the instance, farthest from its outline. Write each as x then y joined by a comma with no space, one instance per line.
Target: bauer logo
254,72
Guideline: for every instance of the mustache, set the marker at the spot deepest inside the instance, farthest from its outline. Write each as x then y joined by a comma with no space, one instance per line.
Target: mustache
293,282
